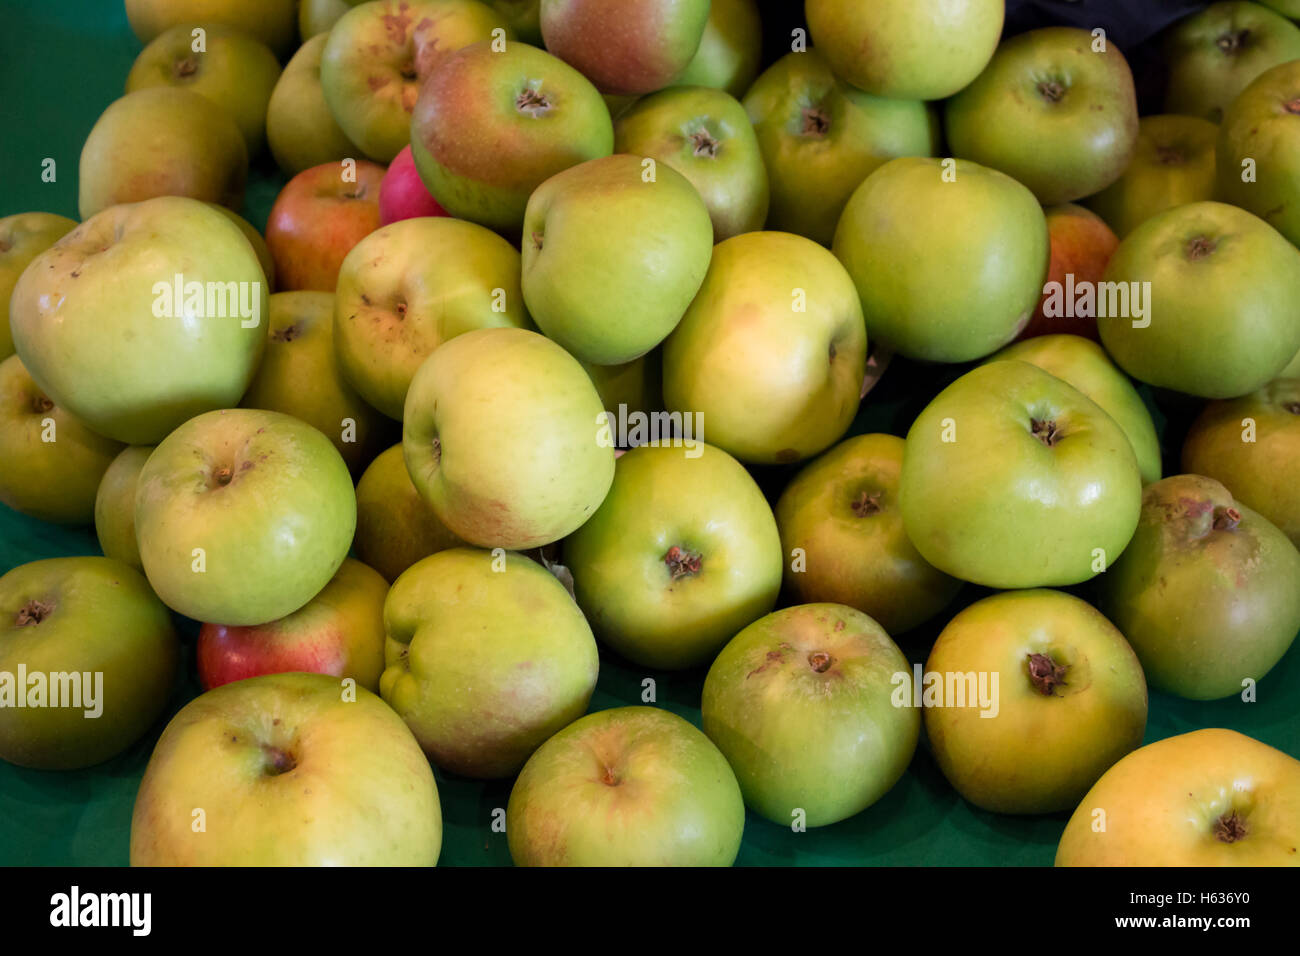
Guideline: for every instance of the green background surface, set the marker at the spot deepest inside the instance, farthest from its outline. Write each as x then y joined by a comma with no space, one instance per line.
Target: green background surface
61,64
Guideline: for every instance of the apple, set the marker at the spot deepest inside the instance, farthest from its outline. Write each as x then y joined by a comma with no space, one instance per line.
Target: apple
1052,111
906,49
115,506
395,526
630,786
289,770
799,702
318,217
1013,478
1292,370
524,17
88,658
300,376
1213,55
403,195
1263,125
1223,313
316,17
300,128
730,49
243,516
772,351
1080,245
230,68
378,54
683,554
1208,591
1172,165
933,292
706,136
255,240
162,141
636,385
1211,797
628,47
487,657
338,632
270,21
532,116
50,463
1063,674
22,238
106,333
821,137
1085,365
409,287
1289,8
584,269
502,437
1252,445
843,539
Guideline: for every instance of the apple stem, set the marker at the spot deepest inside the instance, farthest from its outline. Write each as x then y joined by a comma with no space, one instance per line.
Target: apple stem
33,612
1229,828
816,122
1045,674
683,563
532,102
1226,519
705,144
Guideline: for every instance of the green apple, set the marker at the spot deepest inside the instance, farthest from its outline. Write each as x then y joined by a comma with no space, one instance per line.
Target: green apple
316,17
1252,445
585,270
106,333
379,54
907,49
88,658
50,463
243,516
1057,671
1215,54
531,115
300,128
683,553
933,292
260,248
1085,365
230,68
1014,479
1052,111
631,786
799,703
1292,370
300,376
625,46
288,770
487,658
1223,306
411,286
637,385
22,238
843,540
524,17
1208,591
339,632
1172,165
1288,8
502,437
730,49
395,526
821,137
772,351
115,506
706,136
162,141
270,21
1207,798
1263,126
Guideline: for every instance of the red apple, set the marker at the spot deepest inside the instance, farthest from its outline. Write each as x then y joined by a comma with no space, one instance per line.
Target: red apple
402,194
318,217
339,632
1081,245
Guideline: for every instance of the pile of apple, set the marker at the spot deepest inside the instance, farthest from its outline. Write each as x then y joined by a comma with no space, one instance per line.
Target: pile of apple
554,279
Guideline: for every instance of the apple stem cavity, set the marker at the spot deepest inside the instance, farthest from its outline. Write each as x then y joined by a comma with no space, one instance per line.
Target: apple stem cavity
532,103
683,563
223,476
1051,91
185,68
1226,519
278,761
609,778
1045,674
1045,431
705,144
820,661
1229,828
866,504
33,612
816,122
41,404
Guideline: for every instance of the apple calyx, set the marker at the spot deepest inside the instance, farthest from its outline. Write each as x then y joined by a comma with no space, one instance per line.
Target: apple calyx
1045,674
1229,828
1170,156
1291,407
1052,91
33,612
683,563
705,144
1292,106
1232,42
1045,430
532,103
184,69
609,778
1200,247
278,761
223,476
1226,519
820,661
288,333
815,122
41,404
866,504
437,451
537,241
